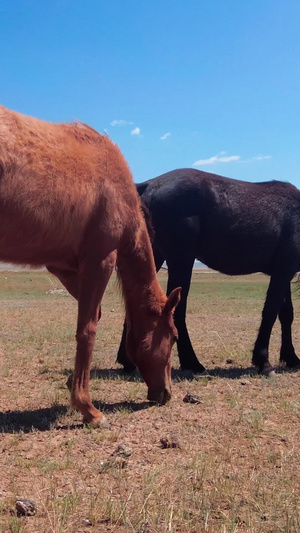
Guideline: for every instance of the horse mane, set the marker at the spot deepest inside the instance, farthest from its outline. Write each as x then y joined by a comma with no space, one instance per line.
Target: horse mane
82,132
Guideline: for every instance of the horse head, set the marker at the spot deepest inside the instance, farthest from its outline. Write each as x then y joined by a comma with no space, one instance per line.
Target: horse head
149,348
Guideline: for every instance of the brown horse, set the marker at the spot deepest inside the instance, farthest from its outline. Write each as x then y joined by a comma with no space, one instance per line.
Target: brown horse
67,201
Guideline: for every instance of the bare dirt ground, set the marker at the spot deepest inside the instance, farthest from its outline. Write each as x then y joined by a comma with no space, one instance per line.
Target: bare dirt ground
227,464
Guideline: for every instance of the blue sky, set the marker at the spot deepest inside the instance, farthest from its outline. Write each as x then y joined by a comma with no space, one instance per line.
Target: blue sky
203,83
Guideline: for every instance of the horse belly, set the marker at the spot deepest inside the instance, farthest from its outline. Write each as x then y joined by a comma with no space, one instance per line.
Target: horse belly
236,256
28,240
59,235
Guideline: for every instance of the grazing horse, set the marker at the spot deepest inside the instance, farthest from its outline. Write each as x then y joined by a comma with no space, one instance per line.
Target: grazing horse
234,227
67,201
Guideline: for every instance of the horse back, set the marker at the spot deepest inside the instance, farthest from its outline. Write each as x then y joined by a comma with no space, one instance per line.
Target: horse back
236,227
54,179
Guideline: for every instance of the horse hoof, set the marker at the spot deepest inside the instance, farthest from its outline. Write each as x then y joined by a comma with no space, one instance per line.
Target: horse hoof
266,370
293,365
196,368
204,375
104,423
269,373
101,423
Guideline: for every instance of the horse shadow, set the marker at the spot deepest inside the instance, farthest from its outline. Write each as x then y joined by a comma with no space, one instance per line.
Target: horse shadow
233,372
31,420
178,375
47,419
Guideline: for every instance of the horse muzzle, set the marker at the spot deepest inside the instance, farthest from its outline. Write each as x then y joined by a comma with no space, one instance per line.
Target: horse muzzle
161,397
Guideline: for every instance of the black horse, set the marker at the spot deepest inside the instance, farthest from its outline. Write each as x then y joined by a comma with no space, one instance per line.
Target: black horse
234,227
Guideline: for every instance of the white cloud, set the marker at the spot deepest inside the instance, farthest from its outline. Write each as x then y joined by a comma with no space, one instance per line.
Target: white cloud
165,136
261,157
136,131
219,158
120,123
223,158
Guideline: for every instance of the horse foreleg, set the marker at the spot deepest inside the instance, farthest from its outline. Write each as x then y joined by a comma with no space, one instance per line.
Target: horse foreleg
180,273
273,303
93,279
286,317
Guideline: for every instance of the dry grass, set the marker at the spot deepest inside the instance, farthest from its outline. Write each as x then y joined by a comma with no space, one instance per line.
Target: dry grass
237,466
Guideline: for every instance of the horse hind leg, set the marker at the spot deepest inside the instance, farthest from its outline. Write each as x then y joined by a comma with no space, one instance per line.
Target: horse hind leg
286,317
93,278
274,300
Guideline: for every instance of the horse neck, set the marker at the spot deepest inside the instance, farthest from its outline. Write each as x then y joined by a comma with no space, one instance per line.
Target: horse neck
136,269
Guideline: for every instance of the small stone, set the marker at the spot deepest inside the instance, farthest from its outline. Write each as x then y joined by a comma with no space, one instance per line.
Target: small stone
87,522
192,398
25,507
120,462
104,465
113,462
122,450
170,442
117,459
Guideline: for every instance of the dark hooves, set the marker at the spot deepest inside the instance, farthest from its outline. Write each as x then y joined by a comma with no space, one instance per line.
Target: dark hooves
267,370
293,364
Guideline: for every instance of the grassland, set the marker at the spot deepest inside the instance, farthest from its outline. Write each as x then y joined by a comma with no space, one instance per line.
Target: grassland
236,465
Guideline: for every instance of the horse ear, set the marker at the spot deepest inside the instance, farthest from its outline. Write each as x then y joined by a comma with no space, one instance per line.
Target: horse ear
172,301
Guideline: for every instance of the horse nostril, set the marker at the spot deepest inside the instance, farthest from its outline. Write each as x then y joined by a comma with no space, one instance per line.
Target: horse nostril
160,397
156,397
